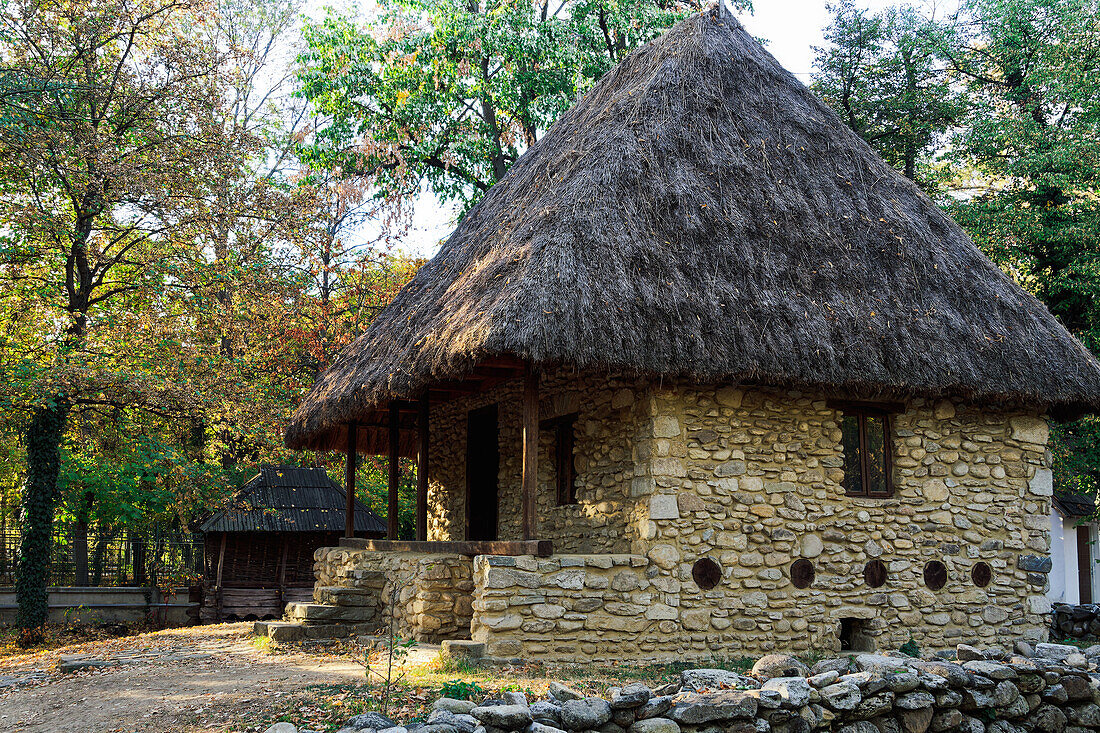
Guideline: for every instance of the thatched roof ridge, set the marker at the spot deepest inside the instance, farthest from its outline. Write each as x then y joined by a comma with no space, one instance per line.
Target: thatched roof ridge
701,213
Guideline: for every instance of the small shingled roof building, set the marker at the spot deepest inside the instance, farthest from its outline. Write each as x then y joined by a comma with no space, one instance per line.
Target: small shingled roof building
700,323
258,549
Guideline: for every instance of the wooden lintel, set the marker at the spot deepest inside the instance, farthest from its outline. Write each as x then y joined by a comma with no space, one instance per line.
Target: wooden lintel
538,548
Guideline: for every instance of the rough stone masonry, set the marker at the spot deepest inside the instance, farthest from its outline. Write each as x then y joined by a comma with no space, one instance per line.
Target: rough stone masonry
748,482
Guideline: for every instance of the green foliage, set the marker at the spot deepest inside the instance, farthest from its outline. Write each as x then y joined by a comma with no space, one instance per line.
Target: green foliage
40,494
448,94
885,78
910,648
1010,105
461,689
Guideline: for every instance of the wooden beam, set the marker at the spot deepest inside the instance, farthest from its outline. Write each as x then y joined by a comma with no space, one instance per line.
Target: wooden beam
422,471
392,509
539,548
349,479
530,453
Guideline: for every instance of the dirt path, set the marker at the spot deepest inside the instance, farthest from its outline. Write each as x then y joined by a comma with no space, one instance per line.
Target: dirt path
207,678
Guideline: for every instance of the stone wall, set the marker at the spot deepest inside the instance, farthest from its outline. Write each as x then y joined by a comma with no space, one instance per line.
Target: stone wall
752,480
569,607
603,518
1075,621
431,594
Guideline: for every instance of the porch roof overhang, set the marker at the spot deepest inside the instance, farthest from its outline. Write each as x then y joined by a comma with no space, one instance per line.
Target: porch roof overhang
538,548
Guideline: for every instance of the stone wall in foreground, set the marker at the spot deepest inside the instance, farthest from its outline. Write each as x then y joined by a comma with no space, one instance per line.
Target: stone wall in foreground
430,594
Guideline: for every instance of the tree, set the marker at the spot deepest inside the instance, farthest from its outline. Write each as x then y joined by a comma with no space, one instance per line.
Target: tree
448,93
101,129
883,74
1031,146
1020,134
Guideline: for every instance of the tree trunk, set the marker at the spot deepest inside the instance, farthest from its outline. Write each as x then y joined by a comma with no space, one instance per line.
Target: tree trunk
99,558
80,540
43,438
138,551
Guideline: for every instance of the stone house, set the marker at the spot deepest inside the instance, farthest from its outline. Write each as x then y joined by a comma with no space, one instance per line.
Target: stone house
703,375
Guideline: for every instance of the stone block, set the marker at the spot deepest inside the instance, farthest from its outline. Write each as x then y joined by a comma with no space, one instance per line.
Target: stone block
663,507
463,649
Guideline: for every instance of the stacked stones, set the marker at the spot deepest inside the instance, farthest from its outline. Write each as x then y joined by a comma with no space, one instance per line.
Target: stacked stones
433,592
752,479
1075,622
571,607
976,692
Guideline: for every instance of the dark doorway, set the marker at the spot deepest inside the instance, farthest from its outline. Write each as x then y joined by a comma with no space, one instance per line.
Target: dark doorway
1084,563
482,466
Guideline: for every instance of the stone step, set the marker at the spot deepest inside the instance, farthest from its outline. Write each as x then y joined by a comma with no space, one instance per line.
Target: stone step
340,596
279,630
325,612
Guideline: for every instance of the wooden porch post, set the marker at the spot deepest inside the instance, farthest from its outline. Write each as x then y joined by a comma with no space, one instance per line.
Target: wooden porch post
349,479
392,519
530,452
422,469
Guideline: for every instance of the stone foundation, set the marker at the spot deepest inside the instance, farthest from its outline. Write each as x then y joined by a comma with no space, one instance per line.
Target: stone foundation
429,595
569,607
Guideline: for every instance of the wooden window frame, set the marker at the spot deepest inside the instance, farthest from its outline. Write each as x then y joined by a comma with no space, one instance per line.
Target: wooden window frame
565,474
861,410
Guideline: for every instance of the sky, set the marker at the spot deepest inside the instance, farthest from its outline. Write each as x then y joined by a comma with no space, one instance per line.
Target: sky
791,29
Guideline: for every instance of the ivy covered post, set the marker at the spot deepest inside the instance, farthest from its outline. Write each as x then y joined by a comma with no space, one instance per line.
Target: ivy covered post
43,439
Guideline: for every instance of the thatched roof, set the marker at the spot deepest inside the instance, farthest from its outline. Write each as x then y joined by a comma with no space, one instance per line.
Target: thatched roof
701,213
291,499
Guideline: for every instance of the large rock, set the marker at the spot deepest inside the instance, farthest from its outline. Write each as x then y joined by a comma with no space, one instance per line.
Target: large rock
587,714
505,717
698,680
655,725
561,692
714,706
992,670
881,663
841,696
373,720
839,665
916,720
546,712
451,705
794,691
1048,719
632,696
915,701
871,707
538,727
282,728
655,708
779,665
1055,652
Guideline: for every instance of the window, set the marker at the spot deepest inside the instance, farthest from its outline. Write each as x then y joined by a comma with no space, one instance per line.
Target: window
865,439
564,473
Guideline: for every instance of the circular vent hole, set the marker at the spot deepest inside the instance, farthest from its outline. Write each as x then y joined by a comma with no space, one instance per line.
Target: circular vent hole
802,573
981,574
706,573
874,573
935,575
